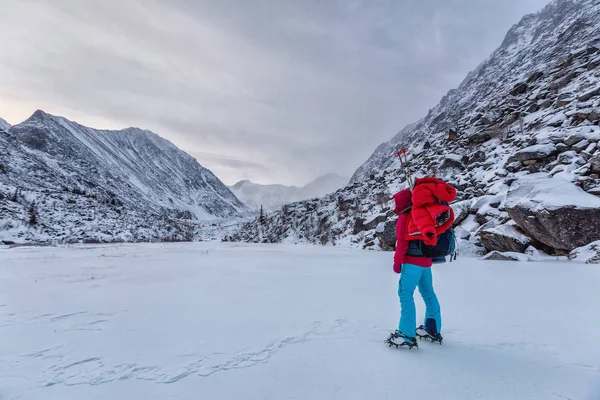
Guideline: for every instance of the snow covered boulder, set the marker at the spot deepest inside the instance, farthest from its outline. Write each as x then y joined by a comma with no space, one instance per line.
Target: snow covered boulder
595,164
483,202
564,99
535,152
589,94
478,156
491,215
479,137
589,114
506,256
387,237
519,88
504,238
577,136
452,161
557,120
581,146
359,226
461,211
589,254
513,166
554,212
372,223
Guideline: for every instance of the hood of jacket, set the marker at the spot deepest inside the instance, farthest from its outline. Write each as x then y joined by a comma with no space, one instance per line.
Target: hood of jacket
402,200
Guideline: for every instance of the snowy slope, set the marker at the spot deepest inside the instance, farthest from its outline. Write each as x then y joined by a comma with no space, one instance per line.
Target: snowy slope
4,126
102,185
323,185
378,161
532,106
272,197
545,56
206,321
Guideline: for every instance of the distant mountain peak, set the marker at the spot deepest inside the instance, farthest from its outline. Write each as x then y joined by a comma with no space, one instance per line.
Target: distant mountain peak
4,126
273,196
39,114
242,183
329,175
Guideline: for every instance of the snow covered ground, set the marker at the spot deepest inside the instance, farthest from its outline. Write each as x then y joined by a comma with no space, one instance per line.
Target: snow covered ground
228,321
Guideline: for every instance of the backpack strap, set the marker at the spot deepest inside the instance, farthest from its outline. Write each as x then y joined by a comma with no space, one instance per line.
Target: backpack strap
407,209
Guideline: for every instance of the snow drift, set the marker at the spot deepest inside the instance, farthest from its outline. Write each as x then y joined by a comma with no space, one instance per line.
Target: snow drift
230,321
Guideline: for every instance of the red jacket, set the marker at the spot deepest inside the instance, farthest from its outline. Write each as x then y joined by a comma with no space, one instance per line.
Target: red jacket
422,225
402,200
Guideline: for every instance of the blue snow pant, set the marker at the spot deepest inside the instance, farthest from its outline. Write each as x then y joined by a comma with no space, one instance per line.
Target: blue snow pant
411,277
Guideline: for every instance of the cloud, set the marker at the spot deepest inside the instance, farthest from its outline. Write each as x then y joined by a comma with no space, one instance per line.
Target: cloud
293,89
224,166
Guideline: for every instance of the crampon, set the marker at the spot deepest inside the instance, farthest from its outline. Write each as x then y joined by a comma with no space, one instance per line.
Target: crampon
398,340
422,334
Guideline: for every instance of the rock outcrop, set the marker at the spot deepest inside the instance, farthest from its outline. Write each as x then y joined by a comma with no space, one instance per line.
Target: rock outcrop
554,212
504,238
589,254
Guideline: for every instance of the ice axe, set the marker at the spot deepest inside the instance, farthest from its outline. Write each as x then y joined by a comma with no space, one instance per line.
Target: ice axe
402,156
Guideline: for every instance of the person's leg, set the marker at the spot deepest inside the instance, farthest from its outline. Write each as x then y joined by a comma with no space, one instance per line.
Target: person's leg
433,315
409,279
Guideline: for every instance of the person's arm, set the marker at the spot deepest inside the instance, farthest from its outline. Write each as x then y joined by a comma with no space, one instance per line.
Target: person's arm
401,243
425,224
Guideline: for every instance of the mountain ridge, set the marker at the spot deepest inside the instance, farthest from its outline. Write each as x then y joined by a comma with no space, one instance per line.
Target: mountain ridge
132,172
4,126
274,196
507,51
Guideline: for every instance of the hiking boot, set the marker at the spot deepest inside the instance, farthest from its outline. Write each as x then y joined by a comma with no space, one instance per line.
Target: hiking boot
434,337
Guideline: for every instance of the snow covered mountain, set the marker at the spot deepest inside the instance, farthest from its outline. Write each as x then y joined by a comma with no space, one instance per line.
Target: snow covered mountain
272,197
518,138
61,181
4,126
323,185
542,63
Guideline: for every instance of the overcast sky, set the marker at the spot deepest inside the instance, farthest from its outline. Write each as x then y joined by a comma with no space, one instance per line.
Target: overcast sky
275,91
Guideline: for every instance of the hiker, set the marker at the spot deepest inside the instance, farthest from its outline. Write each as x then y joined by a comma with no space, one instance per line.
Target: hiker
423,215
